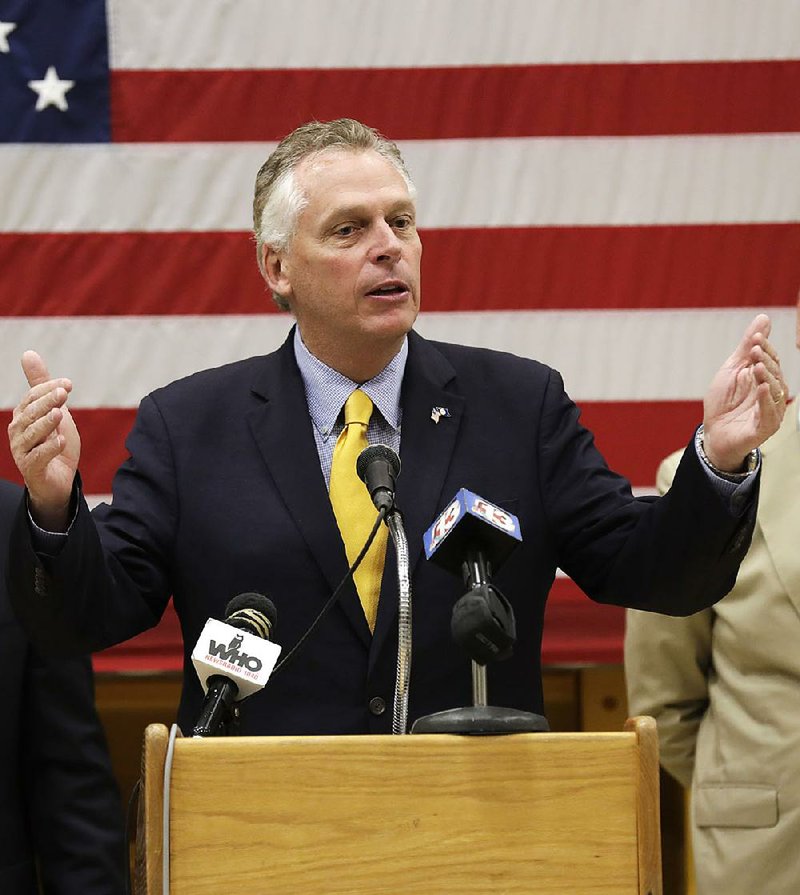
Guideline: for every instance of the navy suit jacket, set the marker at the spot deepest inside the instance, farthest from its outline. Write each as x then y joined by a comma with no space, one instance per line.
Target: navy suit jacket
223,494
59,807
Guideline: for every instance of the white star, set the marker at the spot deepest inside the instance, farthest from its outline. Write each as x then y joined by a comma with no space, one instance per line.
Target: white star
51,90
5,29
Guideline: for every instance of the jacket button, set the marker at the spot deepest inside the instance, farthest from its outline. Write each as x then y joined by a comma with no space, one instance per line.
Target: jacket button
377,705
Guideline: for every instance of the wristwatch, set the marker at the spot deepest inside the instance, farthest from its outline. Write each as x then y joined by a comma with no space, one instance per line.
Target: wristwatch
751,462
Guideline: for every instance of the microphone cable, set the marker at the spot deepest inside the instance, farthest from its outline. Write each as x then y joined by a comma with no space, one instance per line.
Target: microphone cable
337,592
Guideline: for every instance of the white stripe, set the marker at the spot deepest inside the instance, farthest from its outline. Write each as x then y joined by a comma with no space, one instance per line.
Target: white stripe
107,188
620,355
94,499
603,355
152,34
466,183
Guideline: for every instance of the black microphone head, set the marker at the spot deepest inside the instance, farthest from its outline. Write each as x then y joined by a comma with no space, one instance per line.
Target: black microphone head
376,452
253,613
377,467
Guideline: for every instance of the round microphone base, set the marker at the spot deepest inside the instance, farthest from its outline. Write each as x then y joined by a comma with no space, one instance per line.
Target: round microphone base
481,720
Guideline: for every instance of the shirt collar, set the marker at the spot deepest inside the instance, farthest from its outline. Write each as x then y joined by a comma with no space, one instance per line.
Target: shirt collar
327,389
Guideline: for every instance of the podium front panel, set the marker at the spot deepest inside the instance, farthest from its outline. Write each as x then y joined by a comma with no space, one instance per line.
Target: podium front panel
379,815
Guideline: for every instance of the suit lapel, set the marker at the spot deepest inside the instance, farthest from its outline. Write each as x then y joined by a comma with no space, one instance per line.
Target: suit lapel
281,427
779,487
426,450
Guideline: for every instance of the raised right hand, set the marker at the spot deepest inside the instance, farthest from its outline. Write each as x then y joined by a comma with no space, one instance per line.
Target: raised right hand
45,444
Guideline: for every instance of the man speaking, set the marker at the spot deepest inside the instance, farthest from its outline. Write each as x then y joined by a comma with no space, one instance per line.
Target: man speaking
239,478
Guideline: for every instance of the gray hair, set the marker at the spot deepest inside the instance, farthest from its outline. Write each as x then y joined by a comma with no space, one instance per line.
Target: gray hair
278,200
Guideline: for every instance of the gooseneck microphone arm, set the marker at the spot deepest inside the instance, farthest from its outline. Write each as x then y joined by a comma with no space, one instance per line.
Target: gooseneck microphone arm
378,467
403,677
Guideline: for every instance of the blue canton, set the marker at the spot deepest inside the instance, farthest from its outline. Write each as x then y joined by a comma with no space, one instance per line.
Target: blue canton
54,72
326,393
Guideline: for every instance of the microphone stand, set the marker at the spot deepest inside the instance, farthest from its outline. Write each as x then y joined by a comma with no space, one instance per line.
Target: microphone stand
394,522
481,719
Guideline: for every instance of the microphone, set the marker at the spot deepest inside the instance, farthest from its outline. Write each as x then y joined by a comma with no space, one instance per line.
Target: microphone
234,659
378,466
471,538
469,525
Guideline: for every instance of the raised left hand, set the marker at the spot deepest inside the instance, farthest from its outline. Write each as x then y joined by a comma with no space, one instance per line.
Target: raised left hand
746,400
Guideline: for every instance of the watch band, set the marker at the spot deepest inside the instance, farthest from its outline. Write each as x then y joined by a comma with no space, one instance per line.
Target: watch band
751,463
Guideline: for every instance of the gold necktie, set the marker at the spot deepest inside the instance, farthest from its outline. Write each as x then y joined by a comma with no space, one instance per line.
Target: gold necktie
353,507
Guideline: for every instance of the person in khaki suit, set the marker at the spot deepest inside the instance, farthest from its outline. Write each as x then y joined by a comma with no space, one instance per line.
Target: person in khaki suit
724,687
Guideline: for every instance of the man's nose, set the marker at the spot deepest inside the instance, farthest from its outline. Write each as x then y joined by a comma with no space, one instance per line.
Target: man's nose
386,244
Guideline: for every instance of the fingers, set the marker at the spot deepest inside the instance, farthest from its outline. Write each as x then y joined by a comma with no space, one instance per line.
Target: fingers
757,333
34,368
40,401
34,424
770,409
37,458
762,357
45,393
33,432
759,324
765,357
768,372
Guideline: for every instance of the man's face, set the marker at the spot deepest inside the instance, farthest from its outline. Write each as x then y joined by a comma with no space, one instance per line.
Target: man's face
351,273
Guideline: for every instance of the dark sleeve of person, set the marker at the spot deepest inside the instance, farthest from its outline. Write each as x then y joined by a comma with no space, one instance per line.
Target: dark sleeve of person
74,806
676,554
92,594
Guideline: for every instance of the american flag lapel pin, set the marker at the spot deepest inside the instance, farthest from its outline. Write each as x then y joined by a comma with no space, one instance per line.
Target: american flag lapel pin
438,412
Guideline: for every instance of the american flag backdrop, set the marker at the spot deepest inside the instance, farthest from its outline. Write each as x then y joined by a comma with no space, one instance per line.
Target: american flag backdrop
610,186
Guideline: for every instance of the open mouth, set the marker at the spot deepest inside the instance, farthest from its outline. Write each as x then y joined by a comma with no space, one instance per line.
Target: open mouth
389,290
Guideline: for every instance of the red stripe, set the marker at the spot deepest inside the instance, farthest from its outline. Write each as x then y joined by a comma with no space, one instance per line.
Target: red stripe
570,268
434,103
158,649
578,631
74,274
634,437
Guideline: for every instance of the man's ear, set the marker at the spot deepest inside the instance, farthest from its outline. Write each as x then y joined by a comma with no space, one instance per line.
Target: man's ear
276,271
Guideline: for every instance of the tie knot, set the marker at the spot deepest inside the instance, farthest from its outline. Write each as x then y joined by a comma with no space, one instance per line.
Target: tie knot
358,408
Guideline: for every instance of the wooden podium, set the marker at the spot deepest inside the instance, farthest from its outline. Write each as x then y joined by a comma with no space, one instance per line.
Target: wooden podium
378,815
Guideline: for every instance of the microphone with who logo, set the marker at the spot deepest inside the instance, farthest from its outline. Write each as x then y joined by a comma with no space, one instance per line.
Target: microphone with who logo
234,659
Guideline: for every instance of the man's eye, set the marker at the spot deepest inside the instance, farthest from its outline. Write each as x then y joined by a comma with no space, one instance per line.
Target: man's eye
403,222
345,230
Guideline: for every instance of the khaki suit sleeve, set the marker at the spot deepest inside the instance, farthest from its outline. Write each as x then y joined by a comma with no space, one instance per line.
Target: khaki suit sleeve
666,666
